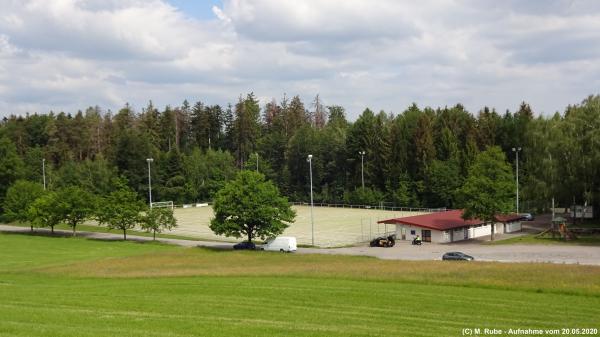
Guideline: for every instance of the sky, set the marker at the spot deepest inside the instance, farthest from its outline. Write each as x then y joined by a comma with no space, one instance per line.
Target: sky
66,55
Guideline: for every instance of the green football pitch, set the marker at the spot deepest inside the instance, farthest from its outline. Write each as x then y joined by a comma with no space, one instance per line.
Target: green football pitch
53,286
332,226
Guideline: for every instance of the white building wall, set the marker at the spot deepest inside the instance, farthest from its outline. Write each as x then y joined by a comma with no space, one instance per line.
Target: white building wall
436,236
459,234
408,230
445,236
482,230
513,227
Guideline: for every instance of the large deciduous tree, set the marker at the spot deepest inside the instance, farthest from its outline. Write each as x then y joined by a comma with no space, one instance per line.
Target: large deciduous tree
489,189
79,205
47,210
19,197
158,219
252,207
120,210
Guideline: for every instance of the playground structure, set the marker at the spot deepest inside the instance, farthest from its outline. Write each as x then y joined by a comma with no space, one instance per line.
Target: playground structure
559,228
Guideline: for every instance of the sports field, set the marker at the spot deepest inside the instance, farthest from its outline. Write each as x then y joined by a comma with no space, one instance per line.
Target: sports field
332,226
77,287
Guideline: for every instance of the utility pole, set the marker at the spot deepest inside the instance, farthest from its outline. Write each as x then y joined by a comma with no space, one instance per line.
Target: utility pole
362,167
44,172
312,219
149,160
516,151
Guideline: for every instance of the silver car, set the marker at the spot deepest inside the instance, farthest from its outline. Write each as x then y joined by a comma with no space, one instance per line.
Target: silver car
458,256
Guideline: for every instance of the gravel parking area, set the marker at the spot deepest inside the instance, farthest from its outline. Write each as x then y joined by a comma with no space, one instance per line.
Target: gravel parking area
502,253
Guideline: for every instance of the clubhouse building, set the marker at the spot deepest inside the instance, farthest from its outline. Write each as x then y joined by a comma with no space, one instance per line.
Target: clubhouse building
449,226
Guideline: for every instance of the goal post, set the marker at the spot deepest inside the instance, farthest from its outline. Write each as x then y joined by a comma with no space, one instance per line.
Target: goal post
162,204
387,205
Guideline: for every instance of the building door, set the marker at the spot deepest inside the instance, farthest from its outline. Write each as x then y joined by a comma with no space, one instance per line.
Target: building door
403,233
426,233
466,233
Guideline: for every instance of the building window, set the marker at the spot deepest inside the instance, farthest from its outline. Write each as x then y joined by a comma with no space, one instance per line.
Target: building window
412,232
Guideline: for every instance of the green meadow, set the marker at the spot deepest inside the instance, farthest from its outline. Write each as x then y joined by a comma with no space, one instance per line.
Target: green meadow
51,286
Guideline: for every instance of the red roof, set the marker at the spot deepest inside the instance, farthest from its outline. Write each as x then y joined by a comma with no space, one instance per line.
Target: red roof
445,220
508,217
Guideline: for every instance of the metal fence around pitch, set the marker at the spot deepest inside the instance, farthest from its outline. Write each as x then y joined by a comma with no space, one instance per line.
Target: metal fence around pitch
193,205
371,229
335,205
378,207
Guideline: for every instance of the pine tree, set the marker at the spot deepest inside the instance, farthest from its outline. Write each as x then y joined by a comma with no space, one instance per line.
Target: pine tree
424,144
183,125
149,125
167,129
319,114
246,127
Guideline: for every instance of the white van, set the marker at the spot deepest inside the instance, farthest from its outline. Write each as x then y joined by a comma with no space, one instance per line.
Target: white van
281,244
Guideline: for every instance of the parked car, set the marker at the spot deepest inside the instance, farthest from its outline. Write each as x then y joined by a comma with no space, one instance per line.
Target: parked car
280,244
244,245
457,256
383,241
527,216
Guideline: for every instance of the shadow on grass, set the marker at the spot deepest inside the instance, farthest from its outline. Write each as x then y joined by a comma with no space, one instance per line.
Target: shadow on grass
217,248
132,239
44,233
80,235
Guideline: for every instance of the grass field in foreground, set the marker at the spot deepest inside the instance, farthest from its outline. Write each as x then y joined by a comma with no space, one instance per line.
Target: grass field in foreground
78,287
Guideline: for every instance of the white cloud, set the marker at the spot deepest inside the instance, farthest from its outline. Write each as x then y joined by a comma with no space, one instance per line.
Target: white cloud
68,54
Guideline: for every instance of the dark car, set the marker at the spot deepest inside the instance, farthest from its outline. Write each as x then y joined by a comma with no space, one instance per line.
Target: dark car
383,241
457,256
244,245
528,216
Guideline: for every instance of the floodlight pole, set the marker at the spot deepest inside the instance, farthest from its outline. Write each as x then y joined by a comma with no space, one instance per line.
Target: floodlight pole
516,151
312,220
44,172
362,167
149,160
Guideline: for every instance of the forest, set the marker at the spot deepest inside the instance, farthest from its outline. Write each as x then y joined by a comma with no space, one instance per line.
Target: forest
419,157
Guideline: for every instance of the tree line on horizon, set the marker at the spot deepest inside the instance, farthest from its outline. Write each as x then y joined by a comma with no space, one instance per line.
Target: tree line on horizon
417,158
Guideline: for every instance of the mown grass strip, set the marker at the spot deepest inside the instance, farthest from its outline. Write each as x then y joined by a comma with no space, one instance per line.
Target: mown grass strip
250,306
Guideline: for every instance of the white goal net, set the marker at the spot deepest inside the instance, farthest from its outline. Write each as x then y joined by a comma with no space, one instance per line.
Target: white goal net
162,204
